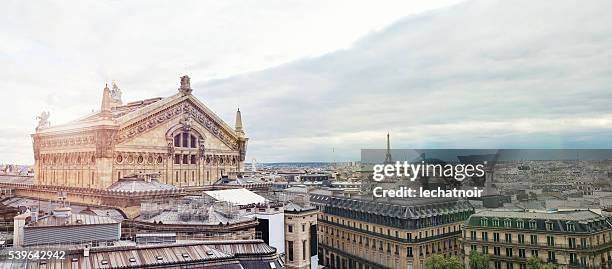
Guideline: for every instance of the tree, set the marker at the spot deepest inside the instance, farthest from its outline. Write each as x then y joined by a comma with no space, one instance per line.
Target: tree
438,261
536,263
479,261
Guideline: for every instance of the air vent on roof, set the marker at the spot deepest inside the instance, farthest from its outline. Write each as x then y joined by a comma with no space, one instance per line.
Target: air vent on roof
185,255
132,259
159,258
209,253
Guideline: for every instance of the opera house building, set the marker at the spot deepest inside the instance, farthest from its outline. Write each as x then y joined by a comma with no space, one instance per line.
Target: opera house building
178,139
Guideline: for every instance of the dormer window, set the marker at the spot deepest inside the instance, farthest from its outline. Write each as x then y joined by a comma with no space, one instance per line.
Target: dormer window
520,224
570,226
549,225
533,225
484,222
496,222
507,223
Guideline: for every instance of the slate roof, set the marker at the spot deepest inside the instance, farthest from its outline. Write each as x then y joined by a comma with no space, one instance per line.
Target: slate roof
293,207
235,254
583,221
421,209
74,219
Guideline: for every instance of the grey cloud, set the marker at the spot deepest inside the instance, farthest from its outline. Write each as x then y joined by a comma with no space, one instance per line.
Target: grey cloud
503,64
478,74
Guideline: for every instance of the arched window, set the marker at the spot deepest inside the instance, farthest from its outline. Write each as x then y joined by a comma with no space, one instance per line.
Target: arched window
185,140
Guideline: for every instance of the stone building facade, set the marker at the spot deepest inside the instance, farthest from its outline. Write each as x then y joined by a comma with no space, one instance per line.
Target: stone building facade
566,239
300,236
177,138
365,234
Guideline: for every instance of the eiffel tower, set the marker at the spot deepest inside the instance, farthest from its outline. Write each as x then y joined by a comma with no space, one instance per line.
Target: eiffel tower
388,158
367,183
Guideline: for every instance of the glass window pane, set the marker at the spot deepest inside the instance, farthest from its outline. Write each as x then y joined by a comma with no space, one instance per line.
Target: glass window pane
193,141
185,140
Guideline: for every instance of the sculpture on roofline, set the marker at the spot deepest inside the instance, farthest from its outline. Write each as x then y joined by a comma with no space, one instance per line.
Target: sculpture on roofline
43,120
185,85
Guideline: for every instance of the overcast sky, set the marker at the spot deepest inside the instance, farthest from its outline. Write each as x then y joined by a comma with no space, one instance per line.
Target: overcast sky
311,76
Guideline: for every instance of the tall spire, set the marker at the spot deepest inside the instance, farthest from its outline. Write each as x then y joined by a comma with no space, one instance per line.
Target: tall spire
388,158
106,102
238,126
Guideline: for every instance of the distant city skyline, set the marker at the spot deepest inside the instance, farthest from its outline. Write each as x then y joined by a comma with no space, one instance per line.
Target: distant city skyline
469,74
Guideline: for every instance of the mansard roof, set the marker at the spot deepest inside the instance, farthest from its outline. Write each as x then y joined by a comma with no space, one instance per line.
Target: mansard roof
580,221
409,210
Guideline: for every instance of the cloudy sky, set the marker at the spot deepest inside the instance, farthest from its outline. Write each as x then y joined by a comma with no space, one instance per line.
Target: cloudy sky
312,76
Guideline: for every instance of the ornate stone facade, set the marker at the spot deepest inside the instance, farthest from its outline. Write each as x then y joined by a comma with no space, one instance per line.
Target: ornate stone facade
177,137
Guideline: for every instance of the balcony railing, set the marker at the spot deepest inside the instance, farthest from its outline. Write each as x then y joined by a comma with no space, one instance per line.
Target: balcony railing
389,237
541,245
